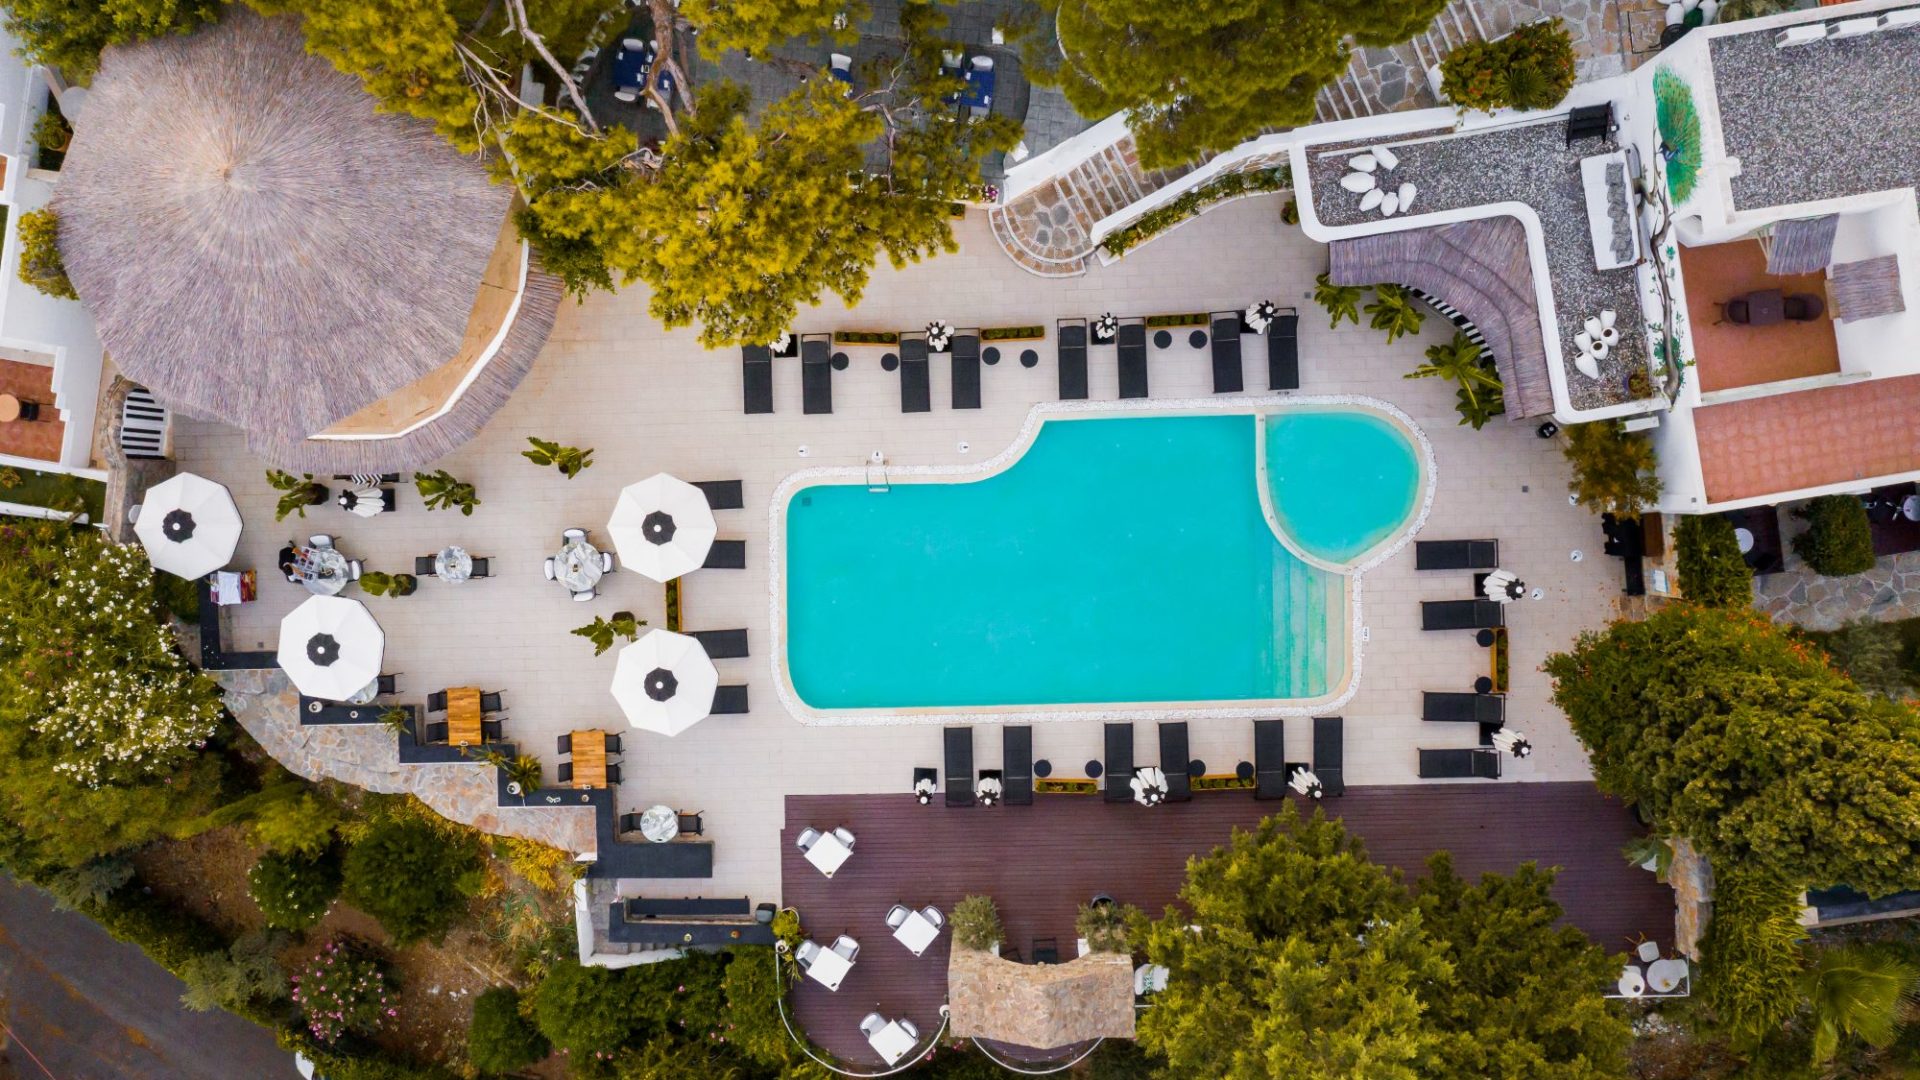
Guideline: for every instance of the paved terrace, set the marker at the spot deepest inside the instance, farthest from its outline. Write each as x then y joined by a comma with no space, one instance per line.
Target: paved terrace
649,400
1531,164
1819,121
1040,862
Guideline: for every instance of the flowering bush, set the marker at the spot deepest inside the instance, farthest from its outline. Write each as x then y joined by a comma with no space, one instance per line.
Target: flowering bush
293,891
341,990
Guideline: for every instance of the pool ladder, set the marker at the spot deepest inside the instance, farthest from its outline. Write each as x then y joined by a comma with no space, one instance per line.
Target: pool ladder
877,473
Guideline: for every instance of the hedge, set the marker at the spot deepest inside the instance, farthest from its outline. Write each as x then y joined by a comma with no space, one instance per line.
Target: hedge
1838,540
865,337
1160,219
1712,570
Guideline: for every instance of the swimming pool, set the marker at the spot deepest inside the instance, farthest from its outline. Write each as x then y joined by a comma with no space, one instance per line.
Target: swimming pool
1119,559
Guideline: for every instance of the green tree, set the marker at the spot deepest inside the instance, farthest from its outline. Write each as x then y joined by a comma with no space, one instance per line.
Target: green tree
1729,732
89,884
570,460
40,263
302,824
69,34
1613,468
500,1040
976,923
587,1010
1838,541
1531,68
1199,77
1750,956
412,877
1872,654
755,26
1462,362
1857,991
294,891
296,493
1712,570
246,972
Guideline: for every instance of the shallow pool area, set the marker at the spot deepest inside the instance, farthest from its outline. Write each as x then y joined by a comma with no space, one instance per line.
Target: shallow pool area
1119,559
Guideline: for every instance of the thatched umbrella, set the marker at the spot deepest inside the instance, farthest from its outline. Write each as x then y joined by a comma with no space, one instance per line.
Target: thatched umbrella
257,244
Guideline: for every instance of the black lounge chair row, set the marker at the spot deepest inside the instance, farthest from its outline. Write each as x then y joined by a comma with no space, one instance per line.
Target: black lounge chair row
816,375
916,378
1463,708
1475,763
1461,614
1456,554
1271,770
1015,774
1283,352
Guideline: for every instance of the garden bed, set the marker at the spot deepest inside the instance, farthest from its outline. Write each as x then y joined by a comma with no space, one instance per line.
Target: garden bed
865,337
1192,204
63,492
1066,787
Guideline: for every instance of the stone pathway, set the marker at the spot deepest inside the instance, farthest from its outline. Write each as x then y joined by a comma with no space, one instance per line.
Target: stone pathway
1047,230
365,756
1797,595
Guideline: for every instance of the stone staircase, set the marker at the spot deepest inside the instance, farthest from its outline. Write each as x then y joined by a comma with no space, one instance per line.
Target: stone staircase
1048,230
1393,79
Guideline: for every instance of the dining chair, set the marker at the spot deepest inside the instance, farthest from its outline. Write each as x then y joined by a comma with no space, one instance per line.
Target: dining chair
871,1024
354,567
843,835
906,1025
606,562
848,948
933,915
564,744
896,915
613,773
574,534
613,742
551,576
584,596
807,838
805,954
565,771
320,540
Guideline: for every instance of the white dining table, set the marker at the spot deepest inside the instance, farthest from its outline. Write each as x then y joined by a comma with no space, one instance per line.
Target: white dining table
1664,976
659,823
453,564
916,933
577,566
828,968
827,853
892,1042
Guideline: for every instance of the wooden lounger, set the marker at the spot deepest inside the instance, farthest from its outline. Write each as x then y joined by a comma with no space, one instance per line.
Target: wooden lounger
1269,759
916,383
1227,378
1283,351
756,369
1016,760
966,369
816,373
1072,352
959,745
1329,754
1451,707
1456,554
1461,614
1460,764
1117,784
1132,341
1174,756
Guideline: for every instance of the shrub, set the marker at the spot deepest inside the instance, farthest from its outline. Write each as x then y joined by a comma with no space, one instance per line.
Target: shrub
1531,68
500,1040
439,490
976,923
570,460
294,891
1393,310
52,132
1613,469
602,631
1162,218
245,972
40,262
412,877
296,493
1712,570
1341,301
586,1010
1750,957
1838,540
865,337
1873,654
753,1011
90,883
342,989
1013,333
1105,926
301,825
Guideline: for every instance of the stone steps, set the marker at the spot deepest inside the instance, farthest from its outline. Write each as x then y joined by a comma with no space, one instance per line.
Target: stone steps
1048,231
1395,78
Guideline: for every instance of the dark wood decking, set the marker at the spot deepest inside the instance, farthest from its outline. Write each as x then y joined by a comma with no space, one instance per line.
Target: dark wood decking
1040,862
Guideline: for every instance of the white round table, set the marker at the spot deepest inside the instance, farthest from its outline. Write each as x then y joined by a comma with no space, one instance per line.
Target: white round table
325,573
1743,537
577,566
366,695
659,823
1632,984
452,563
1665,976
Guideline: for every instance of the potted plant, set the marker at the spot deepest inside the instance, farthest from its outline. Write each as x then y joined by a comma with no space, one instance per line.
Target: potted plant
397,719
52,132
939,334
570,460
1105,327
976,923
1104,925
379,584
602,632
296,493
440,491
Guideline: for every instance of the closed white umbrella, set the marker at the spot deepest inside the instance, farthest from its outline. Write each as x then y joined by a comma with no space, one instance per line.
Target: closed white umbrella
331,647
662,526
189,526
665,682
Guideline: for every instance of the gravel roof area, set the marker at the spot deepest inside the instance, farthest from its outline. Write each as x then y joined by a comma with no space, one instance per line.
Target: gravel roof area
1530,165
1819,121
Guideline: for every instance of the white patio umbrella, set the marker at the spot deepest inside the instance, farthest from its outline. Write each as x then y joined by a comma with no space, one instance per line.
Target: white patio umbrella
189,526
665,682
662,527
331,647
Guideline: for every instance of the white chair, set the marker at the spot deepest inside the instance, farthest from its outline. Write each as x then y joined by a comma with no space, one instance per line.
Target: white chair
633,45
933,915
606,562
1648,951
320,540
551,574
906,1025
871,1024
844,836
1632,983
841,63
354,566
896,915
583,597
983,63
573,534
625,95
846,947
808,836
805,953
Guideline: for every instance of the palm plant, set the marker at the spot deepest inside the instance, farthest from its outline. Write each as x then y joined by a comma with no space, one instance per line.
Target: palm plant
603,631
1341,301
396,719
976,923
440,491
1857,991
1394,311
523,771
1461,362
570,460
296,493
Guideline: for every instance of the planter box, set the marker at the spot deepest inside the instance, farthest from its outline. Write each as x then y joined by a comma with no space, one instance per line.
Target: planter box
1013,333
1222,782
865,337
1067,787
673,605
1497,660
1199,318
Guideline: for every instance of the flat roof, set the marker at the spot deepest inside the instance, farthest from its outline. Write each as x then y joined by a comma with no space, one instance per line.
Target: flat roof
1819,121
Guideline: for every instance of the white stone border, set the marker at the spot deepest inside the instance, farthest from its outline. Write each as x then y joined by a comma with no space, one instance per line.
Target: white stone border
1029,429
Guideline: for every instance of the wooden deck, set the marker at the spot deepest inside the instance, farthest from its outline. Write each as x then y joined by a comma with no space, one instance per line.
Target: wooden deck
1040,862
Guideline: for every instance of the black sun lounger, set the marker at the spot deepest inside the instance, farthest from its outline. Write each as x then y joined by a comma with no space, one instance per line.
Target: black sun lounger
1459,764
1174,757
1226,353
1456,554
816,373
722,494
756,369
959,766
1460,614
1072,352
1283,351
1463,708
726,555
916,385
1016,761
1269,759
966,369
1329,754
722,644
729,700
1118,780
1132,340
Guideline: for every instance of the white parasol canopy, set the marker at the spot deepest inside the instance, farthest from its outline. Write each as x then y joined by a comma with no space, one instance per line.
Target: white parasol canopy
662,526
189,526
665,682
331,647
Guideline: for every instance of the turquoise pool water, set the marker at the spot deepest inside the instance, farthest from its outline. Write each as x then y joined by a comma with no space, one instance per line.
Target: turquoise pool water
1120,559
1341,481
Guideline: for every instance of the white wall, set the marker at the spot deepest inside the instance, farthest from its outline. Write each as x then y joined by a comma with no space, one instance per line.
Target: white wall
1889,345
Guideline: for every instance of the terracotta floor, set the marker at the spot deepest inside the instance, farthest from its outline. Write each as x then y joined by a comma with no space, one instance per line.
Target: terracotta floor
1815,437
1730,355
37,438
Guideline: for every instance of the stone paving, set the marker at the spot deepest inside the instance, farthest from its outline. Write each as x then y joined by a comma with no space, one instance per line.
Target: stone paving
1797,595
